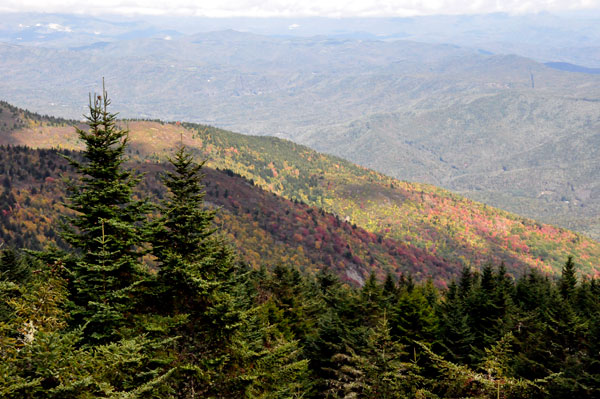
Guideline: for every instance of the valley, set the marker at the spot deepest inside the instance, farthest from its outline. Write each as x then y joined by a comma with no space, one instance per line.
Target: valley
273,200
501,129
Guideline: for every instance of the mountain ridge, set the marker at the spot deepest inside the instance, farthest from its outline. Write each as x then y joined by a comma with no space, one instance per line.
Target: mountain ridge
456,230
407,109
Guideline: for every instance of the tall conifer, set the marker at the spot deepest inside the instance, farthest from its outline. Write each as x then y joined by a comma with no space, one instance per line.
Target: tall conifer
568,279
196,278
106,229
194,264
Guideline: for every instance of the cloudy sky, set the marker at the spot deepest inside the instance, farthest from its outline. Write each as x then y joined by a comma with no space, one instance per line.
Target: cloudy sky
296,8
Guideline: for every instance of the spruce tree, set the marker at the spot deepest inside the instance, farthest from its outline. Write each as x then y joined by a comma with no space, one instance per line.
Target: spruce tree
465,282
456,335
413,318
106,231
40,357
196,279
371,301
390,290
182,238
386,373
194,263
568,279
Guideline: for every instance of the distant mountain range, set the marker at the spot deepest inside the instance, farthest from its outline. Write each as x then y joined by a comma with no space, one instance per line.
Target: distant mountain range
292,204
561,37
565,66
502,129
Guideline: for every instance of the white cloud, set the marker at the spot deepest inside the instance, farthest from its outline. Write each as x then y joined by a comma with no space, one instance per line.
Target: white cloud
293,26
59,28
295,8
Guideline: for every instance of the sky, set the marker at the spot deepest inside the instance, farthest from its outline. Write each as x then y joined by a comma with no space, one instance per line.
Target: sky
295,8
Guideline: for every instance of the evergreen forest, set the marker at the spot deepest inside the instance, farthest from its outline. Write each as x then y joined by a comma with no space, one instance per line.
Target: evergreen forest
147,298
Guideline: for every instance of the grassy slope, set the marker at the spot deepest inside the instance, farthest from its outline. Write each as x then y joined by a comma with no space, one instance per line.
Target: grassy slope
447,226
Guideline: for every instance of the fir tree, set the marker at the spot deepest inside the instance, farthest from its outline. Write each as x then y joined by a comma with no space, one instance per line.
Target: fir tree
13,267
413,318
40,358
390,290
274,363
568,279
456,335
386,374
371,301
195,266
466,282
182,238
106,230
196,279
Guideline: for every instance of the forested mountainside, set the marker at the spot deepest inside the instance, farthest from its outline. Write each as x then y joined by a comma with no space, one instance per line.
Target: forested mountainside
497,128
265,229
445,226
149,302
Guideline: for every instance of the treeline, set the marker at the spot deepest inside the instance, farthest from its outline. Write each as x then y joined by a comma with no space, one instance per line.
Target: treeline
148,301
12,118
283,334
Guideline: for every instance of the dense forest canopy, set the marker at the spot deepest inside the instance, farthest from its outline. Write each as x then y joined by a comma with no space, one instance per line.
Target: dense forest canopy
148,300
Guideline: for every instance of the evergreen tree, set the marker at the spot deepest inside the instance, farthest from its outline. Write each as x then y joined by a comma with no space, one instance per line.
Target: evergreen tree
503,300
183,240
338,330
106,230
13,267
456,335
371,301
568,279
413,319
466,282
347,377
460,381
274,363
296,298
196,279
386,374
42,358
483,315
488,282
390,290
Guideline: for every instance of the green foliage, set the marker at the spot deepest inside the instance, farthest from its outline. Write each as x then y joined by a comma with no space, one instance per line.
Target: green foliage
386,371
277,368
413,317
191,260
188,320
460,381
106,230
41,358
568,279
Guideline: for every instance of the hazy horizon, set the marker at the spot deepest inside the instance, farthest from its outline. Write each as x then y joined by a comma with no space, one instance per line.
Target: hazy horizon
299,9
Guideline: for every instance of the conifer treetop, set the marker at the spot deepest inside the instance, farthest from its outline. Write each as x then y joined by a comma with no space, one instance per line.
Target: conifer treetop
107,231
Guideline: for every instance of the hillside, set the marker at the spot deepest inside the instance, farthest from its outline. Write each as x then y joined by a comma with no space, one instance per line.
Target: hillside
531,153
442,226
265,229
498,128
